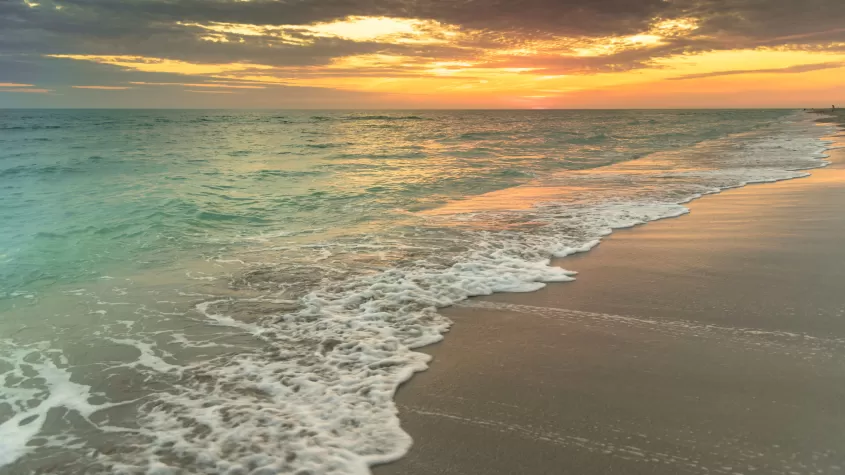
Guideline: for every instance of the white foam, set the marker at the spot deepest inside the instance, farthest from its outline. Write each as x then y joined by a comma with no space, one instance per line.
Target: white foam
225,320
147,356
36,378
317,397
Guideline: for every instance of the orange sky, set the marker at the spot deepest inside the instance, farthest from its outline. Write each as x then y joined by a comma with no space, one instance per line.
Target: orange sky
416,63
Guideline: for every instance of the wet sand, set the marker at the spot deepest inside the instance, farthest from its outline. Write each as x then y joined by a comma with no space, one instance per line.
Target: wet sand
713,343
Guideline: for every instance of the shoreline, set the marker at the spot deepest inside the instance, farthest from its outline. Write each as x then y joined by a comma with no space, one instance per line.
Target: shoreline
161,344
428,414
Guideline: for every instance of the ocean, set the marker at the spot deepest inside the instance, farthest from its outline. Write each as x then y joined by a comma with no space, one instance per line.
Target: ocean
241,292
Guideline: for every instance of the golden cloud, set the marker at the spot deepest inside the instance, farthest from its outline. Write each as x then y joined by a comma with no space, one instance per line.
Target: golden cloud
354,28
483,64
161,65
194,84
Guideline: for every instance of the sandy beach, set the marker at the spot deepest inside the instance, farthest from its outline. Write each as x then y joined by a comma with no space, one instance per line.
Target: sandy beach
712,343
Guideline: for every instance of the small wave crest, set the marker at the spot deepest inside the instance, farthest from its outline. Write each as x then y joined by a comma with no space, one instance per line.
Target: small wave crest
320,118
591,140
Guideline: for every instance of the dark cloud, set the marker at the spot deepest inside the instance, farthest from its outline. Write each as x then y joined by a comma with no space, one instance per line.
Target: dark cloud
768,22
150,28
571,17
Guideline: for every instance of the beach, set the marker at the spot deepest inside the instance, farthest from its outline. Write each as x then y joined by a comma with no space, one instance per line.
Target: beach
410,237
244,292
709,343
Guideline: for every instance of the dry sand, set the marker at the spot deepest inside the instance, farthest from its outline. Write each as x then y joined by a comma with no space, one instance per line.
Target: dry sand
713,343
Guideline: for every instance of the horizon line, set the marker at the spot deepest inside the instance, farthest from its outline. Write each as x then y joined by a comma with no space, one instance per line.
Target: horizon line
424,109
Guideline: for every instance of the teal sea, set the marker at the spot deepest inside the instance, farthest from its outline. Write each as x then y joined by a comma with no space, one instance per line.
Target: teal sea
233,292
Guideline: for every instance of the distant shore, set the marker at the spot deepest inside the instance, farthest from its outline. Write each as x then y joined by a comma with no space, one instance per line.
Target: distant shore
710,343
829,116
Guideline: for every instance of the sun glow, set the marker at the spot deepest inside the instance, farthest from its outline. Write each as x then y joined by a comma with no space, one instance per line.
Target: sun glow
384,29
428,58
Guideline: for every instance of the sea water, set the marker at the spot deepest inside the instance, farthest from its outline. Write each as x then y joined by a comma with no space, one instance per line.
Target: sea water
233,292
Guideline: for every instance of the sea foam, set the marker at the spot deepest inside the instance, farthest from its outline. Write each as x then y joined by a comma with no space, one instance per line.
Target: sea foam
332,328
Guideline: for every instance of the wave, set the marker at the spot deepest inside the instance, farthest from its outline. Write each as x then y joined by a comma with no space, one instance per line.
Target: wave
263,174
384,117
340,339
410,154
321,333
322,118
328,145
35,170
484,135
31,127
591,140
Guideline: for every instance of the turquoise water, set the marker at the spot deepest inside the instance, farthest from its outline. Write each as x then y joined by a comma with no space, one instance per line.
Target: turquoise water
84,191
222,291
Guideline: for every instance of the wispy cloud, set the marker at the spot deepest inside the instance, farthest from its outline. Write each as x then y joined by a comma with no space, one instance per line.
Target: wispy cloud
801,68
160,65
210,85
14,84
103,88
209,92
28,90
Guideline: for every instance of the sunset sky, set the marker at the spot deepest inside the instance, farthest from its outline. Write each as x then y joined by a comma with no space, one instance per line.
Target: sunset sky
422,53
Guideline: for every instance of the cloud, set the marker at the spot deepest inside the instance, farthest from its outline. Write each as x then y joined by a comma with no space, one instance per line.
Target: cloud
103,88
13,84
209,92
28,90
359,29
208,84
562,16
395,45
161,65
623,34
801,68
140,23
769,22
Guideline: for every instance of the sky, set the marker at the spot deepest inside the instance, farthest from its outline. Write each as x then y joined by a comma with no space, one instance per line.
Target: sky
411,54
